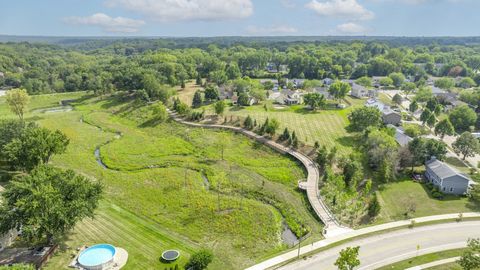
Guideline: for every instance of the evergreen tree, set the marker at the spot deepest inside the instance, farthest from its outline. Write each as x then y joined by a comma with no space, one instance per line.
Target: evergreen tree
248,123
285,135
197,99
374,207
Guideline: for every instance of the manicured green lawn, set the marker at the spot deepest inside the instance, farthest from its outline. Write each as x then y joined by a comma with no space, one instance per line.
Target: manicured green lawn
325,126
144,240
238,215
426,259
397,197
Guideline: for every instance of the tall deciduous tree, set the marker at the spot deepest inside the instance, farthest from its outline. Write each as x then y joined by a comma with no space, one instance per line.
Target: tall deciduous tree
48,203
314,100
444,127
348,258
35,146
413,107
462,118
466,145
17,100
470,259
364,117
339,89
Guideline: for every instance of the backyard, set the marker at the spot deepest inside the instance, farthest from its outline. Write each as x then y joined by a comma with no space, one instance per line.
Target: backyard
325,126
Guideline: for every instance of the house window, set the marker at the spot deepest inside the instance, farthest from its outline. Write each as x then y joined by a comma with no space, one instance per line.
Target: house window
451,189
444,188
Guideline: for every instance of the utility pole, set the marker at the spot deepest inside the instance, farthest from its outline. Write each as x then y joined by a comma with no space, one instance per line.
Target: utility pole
218,193
185,178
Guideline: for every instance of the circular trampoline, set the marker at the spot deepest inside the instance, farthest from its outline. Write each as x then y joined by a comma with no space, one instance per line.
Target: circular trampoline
97,257
170,255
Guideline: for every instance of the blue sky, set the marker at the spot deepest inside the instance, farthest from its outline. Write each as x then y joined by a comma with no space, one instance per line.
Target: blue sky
240,17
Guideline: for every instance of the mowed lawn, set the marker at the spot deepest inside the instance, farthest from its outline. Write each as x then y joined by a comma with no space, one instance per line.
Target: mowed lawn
172,206
143,239
396,198
325,126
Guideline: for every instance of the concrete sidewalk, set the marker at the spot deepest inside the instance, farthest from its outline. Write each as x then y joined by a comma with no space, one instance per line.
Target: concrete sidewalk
270,263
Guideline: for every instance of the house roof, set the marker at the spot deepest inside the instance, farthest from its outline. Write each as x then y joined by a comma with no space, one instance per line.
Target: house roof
442,170
400,136
437,91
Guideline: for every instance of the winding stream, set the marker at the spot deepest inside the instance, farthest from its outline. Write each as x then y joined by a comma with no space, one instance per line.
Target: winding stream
287,235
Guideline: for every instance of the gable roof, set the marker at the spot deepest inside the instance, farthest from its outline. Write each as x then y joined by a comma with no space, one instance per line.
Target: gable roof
400,136
442,170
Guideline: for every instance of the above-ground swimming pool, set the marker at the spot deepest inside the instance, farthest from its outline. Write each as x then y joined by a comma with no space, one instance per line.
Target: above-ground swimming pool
97,257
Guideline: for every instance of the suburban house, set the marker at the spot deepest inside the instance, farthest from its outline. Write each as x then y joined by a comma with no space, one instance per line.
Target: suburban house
287,97
297,83
272,68
447,179
358,91
438,91
389,116
451,99
292,97
225,93
322,91
400,136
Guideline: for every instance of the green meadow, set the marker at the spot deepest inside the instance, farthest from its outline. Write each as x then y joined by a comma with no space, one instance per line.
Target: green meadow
170,186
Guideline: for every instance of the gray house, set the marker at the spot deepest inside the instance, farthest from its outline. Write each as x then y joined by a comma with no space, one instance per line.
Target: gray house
391,117
447,179
400,136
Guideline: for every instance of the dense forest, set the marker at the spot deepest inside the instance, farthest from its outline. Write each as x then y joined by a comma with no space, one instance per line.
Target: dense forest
155,65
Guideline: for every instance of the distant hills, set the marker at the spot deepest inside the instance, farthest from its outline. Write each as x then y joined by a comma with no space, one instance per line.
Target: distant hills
179,42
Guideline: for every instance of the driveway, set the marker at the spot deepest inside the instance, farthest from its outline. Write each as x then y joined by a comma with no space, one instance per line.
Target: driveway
383,249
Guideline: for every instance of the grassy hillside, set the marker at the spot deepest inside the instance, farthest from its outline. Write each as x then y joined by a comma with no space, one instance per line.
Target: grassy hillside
167,186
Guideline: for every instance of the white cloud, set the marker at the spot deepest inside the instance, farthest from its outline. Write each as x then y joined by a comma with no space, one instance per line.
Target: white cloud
350,9
107,23
187,10
351,28
271,30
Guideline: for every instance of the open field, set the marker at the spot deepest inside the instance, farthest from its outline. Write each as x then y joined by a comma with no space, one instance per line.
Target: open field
186,95
237,211
397,197
325,126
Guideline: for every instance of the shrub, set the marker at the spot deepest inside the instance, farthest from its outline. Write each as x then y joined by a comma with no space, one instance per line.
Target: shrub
200,260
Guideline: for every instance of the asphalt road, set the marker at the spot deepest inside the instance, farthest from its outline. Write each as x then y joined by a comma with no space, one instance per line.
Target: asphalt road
383,249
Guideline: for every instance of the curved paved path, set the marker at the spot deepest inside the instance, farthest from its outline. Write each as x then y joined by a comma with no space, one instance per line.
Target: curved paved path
332,227
391,247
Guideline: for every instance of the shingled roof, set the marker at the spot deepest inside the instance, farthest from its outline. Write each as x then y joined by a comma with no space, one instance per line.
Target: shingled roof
442,170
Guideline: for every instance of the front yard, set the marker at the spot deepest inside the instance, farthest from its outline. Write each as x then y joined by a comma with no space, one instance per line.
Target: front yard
414,198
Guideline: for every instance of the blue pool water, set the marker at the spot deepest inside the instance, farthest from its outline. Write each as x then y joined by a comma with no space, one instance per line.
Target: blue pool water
96,255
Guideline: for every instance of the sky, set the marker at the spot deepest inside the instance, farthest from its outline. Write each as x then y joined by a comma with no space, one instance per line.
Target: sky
240,17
